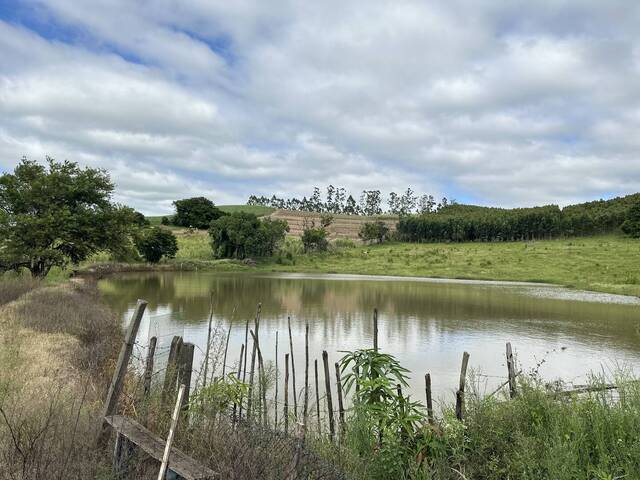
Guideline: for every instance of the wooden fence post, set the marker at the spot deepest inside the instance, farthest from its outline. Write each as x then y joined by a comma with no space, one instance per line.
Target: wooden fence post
460,392
275,387
115,388
511,368
375,329
327,384
315,364
305,411
286,393
148,368
171,372
185,371
427,388
293,372
340,403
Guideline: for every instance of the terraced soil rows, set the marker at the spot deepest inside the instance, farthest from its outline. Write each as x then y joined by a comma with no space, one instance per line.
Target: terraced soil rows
343,226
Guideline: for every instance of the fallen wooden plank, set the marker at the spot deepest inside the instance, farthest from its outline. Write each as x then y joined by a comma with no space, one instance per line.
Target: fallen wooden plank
182,464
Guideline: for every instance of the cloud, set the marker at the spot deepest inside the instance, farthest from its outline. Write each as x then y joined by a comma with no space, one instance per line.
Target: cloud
514,103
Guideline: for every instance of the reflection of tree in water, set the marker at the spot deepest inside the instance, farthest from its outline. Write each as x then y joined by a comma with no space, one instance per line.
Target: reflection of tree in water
407,308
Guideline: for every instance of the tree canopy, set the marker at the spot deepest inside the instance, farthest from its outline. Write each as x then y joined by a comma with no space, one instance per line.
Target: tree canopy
196,212
242,235
631,225
156,242
57,213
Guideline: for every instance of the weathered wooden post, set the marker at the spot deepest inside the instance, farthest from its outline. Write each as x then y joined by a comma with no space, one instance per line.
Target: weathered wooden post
375,329
286,393
511,368
115,388
315,363
275,400
305,412
185,370
235,406
171,373
208,346
460,392
427,388
148,368
293,372
327,384
340,403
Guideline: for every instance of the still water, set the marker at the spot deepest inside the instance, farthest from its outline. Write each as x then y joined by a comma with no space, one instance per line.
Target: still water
426,324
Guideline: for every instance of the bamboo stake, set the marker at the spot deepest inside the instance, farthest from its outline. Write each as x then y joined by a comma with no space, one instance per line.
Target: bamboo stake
340,404
251,376
293,372
327,383
174,422
286,393
306,380
427,387
315,362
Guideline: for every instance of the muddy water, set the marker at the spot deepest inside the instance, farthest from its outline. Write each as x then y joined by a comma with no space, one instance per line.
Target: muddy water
426,324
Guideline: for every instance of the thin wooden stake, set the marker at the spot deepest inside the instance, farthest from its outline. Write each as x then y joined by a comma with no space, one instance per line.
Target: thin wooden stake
226,348
315,363
174,422
286,393
511,369
293,372
340,404
460,392
306,381
375,329
235,406
251,376
208,347
115,388
327,384
427,388
275,400
148,368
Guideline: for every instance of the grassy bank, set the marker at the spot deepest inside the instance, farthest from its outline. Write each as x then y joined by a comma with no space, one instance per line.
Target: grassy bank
605,263
56,346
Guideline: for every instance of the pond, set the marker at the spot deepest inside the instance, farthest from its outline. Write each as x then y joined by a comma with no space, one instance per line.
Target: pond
426,323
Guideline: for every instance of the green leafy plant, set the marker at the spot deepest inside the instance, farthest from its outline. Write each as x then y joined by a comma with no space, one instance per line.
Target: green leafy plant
155,243
377,231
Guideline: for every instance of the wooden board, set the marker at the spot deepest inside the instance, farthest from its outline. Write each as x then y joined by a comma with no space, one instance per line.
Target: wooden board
153,445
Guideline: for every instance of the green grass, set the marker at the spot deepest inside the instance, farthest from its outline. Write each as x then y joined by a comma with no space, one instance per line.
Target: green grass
606,263
256,209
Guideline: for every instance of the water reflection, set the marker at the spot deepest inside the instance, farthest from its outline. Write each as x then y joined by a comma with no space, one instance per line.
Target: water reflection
427,325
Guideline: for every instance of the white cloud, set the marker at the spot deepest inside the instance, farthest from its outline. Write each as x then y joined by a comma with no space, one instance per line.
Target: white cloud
469,99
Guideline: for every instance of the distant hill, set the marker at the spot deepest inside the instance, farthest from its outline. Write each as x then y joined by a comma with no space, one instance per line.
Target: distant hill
256,209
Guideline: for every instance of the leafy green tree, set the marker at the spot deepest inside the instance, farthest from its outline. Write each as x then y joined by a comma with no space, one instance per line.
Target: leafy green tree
196,212
242,235
377,231
164,221
155,243
57,213
631,225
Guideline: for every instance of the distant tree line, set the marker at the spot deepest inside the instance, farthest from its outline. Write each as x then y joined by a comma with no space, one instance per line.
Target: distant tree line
461,223
337,201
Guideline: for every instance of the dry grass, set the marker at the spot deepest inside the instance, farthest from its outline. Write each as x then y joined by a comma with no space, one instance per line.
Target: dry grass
14,286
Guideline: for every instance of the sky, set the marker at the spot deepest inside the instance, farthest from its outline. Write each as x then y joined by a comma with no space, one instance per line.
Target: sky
493,102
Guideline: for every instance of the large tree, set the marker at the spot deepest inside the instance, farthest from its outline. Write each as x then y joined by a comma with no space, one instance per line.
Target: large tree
196,212
242,234
56,213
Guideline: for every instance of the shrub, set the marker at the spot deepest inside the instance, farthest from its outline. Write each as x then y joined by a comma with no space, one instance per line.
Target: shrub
155,243
242,234
631,225
164,221
197,212
377,231
315,240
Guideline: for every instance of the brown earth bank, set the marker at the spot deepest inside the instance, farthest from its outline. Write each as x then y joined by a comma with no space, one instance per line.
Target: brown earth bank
343,227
